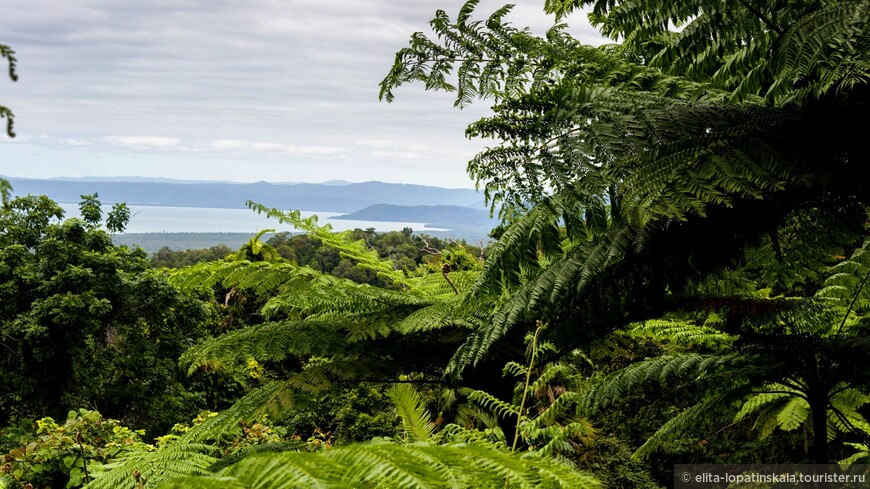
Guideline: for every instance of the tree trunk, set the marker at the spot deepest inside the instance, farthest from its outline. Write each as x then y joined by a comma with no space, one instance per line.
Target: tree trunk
819,413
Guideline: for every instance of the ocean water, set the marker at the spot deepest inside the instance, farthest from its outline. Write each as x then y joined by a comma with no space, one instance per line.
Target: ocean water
164,219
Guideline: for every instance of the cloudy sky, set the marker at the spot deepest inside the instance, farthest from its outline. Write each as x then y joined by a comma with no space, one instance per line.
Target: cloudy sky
275,90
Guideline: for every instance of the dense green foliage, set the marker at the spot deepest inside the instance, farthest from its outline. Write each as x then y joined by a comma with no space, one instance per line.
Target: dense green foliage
167,258
681,276
85,323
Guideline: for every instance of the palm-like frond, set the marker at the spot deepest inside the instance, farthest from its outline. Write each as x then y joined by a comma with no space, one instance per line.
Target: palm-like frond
241,453
204,483
786,408
782,52
861,456
357,251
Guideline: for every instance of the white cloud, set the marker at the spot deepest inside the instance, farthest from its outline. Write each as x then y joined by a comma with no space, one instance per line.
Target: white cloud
76,142
143,141
247,146
291,80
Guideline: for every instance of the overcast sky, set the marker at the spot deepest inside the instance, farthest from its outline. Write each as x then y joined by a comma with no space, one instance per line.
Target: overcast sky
275,90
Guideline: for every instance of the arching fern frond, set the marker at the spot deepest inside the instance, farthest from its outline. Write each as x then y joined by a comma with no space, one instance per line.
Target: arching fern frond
274,447
418,465
848,282
823,52
683,333
677,425
357,251
416,420
272,397
661,369
155,466
266,342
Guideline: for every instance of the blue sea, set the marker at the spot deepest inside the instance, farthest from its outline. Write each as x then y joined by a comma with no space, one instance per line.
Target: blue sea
163,219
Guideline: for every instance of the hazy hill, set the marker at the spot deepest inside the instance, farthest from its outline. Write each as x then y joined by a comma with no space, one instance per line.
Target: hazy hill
432,215
332,196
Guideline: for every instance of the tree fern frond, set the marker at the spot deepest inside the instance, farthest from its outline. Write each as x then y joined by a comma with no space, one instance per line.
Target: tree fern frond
793,414
860,456
825,51
204,483
406,465
492,403
848,282
266,342
461,435
357,251
680,332
280,446
274,396
556,410
431,317
155,466
676,425
416,420
760,401
688,365
563,371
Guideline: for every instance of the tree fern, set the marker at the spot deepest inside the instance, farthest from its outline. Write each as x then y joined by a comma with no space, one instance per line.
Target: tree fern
670,128
786,408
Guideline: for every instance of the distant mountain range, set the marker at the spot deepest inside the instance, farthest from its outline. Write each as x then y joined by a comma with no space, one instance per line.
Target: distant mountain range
333,196
460,210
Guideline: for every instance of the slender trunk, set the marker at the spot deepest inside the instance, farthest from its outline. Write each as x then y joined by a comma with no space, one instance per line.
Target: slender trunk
819,413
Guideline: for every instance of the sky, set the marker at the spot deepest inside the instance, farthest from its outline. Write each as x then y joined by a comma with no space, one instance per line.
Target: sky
257,90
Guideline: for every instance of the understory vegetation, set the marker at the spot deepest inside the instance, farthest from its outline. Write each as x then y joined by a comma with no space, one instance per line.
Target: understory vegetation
680,276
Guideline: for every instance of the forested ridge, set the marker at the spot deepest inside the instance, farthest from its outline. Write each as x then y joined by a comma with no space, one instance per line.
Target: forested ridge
680,276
